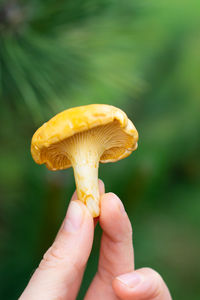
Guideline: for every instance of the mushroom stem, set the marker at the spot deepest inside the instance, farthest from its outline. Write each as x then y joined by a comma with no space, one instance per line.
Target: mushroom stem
84,153
86,177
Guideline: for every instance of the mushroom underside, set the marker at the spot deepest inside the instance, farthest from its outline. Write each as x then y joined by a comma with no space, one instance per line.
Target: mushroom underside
109,142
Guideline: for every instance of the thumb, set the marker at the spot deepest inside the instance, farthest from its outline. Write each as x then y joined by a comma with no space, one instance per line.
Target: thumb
142,284
61,269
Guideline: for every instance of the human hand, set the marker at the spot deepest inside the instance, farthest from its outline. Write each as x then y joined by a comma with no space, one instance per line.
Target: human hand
60,272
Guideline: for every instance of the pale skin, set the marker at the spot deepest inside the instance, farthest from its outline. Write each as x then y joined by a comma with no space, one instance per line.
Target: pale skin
59,274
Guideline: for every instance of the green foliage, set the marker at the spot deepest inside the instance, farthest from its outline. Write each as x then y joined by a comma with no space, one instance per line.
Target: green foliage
142,56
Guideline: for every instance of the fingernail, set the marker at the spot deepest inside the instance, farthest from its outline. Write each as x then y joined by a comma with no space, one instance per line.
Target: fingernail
74,217
130,279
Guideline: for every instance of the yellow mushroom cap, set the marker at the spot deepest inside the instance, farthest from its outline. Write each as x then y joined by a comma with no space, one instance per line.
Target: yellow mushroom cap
49,141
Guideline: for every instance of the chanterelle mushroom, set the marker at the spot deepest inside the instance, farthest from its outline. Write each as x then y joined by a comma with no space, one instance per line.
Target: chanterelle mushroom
81,137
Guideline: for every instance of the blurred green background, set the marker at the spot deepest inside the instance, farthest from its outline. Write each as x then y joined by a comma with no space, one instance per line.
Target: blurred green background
141,56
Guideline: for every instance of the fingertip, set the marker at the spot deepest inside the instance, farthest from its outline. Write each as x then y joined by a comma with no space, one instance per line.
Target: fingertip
111,203
85,210
74,196
126,285
101,187
78,218
129,286
144,283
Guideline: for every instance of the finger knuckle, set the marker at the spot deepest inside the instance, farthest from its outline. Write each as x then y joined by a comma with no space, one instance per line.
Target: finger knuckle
52,258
